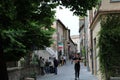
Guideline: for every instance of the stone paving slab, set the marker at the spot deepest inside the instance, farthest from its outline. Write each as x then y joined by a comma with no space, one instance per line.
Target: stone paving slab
66,72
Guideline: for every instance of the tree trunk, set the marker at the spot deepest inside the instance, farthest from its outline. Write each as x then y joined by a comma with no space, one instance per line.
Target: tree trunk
3,68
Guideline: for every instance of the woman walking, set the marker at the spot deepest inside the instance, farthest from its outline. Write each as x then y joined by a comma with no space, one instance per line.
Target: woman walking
76,60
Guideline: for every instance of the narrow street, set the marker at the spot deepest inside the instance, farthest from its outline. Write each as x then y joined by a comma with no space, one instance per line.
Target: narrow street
66,72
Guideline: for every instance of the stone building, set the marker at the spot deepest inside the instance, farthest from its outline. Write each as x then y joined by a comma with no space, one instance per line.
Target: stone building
63,44
105,7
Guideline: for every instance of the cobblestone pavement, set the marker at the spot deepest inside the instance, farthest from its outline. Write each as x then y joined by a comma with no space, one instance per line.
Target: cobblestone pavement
66,72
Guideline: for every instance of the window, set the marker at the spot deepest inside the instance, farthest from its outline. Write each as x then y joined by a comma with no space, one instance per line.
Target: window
114,0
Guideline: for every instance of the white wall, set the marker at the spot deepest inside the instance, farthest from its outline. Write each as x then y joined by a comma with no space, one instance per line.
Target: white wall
43,53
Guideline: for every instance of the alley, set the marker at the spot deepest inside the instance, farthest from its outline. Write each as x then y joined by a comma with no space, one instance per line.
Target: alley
66,72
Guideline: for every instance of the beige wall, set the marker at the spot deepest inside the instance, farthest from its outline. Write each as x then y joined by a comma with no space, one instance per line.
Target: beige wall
54,37
61,35
96,30
76,40
60,32
106,5
72,48
82,39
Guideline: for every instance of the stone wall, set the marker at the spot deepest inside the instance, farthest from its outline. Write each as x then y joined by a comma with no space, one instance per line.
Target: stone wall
114,78
18,73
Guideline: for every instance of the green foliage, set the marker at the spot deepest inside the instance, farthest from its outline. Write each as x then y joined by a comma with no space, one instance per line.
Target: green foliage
84,55
109,43
83,51
79,7
26,24
12,46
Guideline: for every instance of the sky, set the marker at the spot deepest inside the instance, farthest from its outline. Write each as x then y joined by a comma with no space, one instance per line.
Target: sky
70,21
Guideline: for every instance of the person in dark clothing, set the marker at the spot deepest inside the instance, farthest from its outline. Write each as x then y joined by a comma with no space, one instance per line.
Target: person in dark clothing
47,66
77,59
55,61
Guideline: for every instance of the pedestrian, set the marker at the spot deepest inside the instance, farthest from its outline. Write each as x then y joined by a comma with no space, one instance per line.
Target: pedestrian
72,57
47,66
77,60
42,64
64,57
60,61
55,61
51,65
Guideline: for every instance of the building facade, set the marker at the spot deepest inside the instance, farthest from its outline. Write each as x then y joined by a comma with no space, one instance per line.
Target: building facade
63,45
95,15
82,35
76,40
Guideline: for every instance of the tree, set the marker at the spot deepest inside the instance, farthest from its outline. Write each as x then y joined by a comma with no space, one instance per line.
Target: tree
78,7
25,24
22,28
